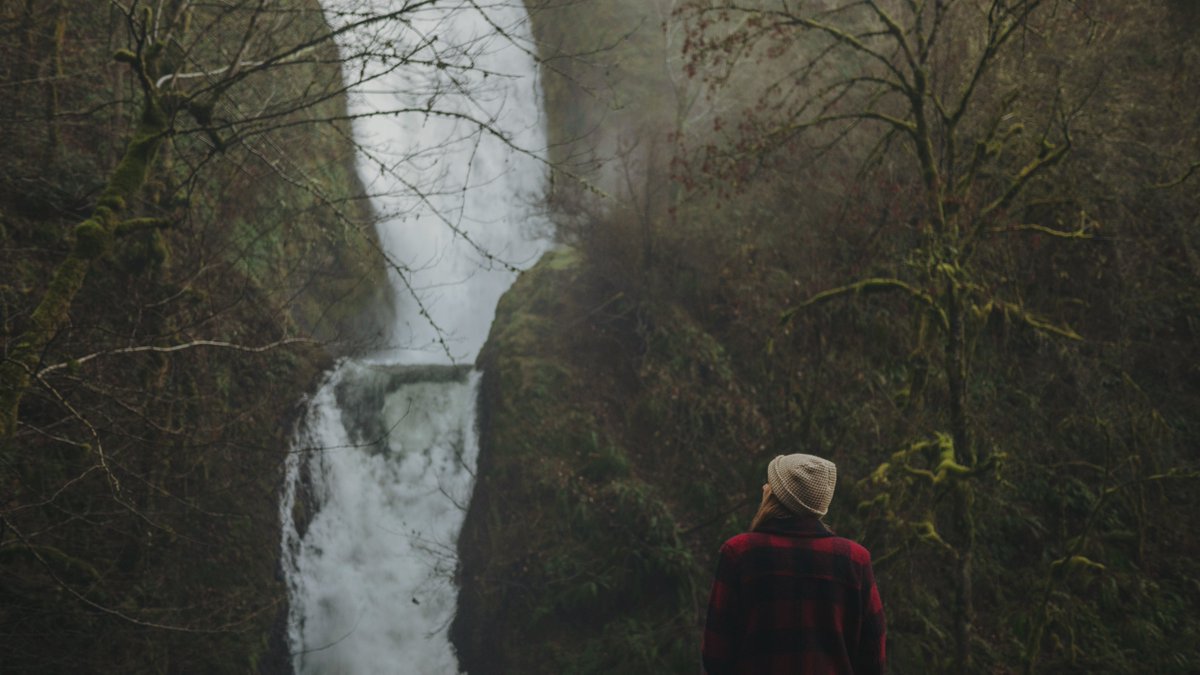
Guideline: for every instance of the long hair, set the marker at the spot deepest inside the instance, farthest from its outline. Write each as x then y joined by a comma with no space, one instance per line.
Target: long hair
770,509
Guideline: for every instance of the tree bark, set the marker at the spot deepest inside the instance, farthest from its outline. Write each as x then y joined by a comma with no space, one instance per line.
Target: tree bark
956,376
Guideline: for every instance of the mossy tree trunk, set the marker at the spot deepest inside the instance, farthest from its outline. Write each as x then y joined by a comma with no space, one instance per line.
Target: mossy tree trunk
93,238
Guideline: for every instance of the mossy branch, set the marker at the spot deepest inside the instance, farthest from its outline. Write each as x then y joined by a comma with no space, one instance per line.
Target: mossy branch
872,285
1077,561
135,225
927,532
1032,320
93,239
1049,156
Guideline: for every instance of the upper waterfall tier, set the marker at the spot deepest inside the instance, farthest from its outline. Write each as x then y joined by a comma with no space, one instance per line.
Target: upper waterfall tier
453,158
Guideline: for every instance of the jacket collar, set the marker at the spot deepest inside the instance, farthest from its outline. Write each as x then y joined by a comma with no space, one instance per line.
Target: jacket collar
797,526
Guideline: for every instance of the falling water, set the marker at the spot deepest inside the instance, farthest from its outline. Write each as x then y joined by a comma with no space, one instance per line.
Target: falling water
386,454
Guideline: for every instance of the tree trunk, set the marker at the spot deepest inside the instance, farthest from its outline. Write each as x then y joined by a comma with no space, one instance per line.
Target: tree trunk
52,76
956,376
964,605
93,239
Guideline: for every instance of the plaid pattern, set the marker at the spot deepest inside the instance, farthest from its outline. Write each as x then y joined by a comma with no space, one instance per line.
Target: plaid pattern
793,598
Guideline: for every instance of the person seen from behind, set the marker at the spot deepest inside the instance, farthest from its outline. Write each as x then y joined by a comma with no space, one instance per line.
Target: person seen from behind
790,596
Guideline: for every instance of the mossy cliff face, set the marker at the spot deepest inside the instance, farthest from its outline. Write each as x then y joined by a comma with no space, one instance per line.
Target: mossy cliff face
577,554
608,422
139,491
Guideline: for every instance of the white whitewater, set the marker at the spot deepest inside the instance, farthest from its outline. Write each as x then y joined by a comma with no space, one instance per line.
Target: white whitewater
387,452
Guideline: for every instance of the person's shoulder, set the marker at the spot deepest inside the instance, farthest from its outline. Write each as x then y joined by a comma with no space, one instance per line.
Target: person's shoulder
740,543
856,551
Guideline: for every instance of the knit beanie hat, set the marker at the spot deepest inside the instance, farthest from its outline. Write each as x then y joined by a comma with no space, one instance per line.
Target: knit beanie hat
804,483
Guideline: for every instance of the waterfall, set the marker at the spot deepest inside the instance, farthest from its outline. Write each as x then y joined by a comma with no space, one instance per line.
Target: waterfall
383,463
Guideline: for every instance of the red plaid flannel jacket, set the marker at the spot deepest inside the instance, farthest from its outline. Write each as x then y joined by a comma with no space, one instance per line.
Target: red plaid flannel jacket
793,598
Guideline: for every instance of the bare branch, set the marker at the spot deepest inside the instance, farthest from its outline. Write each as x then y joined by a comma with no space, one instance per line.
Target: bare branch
1178,181
998,34
1081,233
853,42
176,348
896,32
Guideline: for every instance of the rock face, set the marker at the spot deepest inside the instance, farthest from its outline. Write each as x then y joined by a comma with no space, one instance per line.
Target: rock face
574,556
520,379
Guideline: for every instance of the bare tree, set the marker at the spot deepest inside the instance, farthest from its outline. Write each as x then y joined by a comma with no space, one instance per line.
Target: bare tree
132,338
192,84
940,94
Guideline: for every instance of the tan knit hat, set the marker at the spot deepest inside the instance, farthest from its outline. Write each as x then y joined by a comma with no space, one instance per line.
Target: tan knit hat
804,483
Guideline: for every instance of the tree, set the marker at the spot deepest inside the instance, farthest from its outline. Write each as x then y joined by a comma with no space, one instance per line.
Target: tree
190,86
182,225
967,111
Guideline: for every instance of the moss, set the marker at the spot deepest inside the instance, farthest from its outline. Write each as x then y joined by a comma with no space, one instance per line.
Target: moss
131,171
92,239
603,461
112,202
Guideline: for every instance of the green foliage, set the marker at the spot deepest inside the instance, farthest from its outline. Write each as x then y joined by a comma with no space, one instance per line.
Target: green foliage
602,464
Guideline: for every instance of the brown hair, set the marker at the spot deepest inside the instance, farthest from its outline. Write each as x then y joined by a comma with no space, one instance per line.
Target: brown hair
770,509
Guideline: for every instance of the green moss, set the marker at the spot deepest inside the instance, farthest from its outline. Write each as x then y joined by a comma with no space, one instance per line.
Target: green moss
600,543
603,461
92,239
131,171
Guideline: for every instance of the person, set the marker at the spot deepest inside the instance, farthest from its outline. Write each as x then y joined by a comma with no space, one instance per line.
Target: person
790,596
